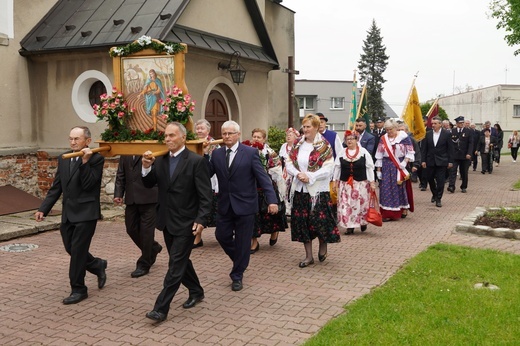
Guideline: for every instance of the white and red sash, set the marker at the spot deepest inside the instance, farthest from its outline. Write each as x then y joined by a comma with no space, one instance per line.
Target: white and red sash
402,173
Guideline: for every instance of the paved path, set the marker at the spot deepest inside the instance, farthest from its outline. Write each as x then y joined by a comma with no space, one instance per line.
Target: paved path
280,304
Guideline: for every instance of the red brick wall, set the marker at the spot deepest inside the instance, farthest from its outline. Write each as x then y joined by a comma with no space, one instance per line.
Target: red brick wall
34,173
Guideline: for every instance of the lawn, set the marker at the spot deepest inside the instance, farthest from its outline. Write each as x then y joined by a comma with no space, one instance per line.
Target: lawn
432,301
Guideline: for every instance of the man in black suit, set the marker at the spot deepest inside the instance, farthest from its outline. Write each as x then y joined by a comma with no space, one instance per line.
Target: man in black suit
140,211
184,203
462,139
437,157
79,180
239,170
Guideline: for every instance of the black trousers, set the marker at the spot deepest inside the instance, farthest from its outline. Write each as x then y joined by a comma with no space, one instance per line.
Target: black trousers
76,238
514,152
487,163
463,167
140,226
180,271
436,178
234,234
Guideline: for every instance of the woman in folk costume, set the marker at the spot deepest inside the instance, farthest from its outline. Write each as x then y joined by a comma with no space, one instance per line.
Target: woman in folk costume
354,177
266,223
311,164
393,153
291,135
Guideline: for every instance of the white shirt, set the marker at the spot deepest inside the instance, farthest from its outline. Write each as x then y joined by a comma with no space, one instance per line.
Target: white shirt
436,136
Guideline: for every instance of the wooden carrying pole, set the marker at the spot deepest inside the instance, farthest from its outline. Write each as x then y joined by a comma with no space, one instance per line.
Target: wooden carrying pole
137,148
80,153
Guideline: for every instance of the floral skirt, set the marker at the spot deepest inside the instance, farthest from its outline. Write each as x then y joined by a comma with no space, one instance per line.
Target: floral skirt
353,203
307,224
266,223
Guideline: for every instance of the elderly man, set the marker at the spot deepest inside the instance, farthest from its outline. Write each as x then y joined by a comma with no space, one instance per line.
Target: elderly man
184,203
79,181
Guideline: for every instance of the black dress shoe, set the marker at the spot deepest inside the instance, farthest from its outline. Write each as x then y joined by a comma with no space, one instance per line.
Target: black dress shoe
364,228
434,199
236,285
349,231
156,316
256,248
423,189
463,190
139,272
199,244
304,264
438,204
191,302
451,189
273,241
102,277
75,298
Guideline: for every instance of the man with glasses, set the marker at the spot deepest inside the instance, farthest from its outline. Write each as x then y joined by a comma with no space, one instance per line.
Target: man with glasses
239,171
79,180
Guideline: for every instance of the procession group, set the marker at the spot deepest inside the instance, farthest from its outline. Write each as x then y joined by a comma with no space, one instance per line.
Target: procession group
246,189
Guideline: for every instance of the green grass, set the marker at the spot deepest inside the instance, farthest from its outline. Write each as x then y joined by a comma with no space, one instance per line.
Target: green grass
516,186
432,301
510,214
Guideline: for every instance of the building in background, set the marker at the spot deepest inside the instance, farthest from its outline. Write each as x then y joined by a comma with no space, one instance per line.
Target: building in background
330,97
498,104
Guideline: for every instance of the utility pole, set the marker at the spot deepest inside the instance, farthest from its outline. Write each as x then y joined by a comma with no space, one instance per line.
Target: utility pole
290,91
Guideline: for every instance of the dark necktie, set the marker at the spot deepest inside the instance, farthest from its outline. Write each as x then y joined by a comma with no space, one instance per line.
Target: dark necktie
72,164
173,164
228,154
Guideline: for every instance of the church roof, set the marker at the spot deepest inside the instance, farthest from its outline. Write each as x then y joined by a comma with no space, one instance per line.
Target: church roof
74,25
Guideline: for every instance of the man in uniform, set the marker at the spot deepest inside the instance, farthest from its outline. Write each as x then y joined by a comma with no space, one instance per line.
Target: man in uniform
462,139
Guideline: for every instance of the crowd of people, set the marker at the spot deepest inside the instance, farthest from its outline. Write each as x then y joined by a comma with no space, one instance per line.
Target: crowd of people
247,189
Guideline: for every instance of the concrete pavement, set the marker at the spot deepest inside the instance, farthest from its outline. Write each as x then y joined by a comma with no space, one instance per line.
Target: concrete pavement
280,304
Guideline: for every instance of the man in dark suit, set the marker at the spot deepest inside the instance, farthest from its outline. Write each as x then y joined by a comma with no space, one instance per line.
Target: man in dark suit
79,180
462,139
239,171
140,211
184,203
437,157
366,139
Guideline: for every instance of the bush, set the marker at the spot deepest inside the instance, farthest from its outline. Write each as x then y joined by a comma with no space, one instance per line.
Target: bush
275,138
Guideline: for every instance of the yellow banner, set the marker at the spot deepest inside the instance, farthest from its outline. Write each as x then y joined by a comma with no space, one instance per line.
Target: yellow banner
413,116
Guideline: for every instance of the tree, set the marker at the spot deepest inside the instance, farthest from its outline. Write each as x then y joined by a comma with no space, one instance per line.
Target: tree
371,66
508,14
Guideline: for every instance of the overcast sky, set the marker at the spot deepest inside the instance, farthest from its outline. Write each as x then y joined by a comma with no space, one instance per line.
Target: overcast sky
452,43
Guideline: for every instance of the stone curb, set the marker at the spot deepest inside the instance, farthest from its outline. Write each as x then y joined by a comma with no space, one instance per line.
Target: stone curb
22,225
467,225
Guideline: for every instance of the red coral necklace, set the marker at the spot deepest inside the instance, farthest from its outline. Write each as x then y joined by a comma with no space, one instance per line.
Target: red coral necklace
352,157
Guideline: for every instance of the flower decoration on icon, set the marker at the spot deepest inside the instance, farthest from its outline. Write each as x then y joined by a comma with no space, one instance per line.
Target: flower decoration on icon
146,42
115,111
178,107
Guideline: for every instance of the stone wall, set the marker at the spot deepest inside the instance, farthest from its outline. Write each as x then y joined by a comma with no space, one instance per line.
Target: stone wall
34,174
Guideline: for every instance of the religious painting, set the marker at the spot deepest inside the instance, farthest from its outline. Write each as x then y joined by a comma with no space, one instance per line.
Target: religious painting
145,81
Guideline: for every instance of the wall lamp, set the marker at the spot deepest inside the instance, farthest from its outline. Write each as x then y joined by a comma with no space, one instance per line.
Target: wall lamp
237,71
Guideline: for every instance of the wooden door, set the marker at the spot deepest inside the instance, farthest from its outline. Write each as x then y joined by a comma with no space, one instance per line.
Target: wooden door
216,113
